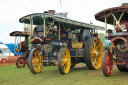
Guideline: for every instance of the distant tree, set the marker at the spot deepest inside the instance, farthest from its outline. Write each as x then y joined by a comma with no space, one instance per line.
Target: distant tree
101,36
29,41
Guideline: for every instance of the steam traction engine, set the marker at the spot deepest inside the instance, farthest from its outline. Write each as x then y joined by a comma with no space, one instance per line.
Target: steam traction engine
21,47
118,54
63,41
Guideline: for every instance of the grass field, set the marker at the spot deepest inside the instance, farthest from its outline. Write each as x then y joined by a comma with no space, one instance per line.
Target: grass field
80,75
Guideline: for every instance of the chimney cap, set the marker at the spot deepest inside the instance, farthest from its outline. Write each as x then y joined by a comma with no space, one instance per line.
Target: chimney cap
45,11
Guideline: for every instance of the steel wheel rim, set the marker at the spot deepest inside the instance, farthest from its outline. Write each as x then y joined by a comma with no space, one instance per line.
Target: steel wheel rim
96,53
21,62
36,58
108,63
66,61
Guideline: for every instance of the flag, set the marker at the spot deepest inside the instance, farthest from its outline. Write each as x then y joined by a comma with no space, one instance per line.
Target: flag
60,3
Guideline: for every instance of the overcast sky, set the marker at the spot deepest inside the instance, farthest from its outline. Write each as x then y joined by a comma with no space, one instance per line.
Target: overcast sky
81,10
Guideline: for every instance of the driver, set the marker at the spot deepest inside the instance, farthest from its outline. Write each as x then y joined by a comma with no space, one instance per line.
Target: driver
56,30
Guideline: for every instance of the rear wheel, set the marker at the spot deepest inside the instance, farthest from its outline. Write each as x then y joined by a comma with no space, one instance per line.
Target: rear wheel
107,63
64,61
121,47
120,67
93,53
35,61
20,62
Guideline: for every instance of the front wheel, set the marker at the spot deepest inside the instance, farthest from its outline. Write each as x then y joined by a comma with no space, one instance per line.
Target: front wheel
20,62
107,63
64,61
35,61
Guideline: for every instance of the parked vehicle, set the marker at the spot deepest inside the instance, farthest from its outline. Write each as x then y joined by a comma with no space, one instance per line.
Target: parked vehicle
12,47
6,56
116,16
4,51
63,41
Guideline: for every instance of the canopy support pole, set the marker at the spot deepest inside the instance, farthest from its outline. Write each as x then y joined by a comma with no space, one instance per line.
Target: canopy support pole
31,31
15,41
44,27
105,25
59,30
20,42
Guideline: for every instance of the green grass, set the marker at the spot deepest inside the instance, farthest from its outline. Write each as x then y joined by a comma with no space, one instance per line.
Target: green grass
11,75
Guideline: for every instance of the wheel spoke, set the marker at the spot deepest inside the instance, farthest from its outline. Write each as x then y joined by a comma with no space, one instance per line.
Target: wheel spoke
97,47
63,54
34,54
108,71
92,47
92,58
94,62
95,44
92,53
98,60
63,62
64,67
37,66
34,65
99,52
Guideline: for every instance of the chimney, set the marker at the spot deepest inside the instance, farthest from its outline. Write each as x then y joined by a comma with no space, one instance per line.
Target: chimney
51,11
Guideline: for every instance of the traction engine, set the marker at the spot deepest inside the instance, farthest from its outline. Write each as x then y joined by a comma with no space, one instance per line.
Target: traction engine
118,54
